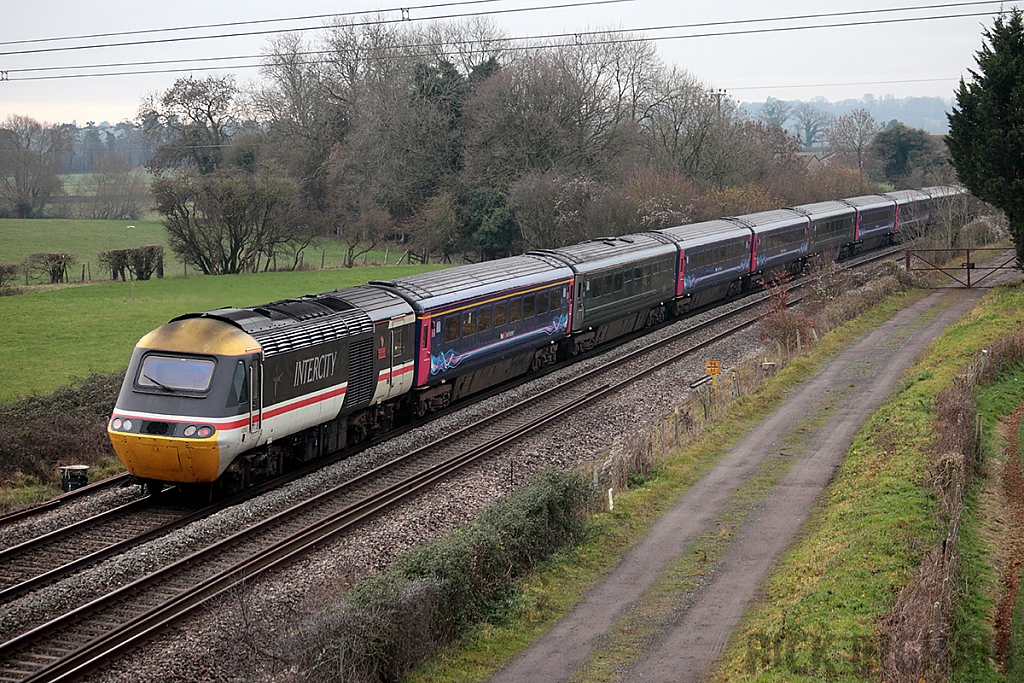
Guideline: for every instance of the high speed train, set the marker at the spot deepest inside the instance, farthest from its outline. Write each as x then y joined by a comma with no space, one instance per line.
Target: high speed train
237,395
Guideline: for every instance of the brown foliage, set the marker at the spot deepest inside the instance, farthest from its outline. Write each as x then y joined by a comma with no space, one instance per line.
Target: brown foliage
55,265
782,324
40,432
914,636
8,273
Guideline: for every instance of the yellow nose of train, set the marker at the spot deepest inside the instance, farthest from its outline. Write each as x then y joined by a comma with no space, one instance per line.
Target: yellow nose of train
168,459
180,414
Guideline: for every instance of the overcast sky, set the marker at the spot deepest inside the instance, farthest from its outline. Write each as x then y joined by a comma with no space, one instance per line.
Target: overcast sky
885,57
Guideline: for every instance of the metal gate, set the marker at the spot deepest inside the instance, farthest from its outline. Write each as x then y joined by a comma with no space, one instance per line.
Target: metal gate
960,264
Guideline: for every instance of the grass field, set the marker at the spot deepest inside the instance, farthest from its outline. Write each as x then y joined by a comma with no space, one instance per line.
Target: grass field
20,238
51,336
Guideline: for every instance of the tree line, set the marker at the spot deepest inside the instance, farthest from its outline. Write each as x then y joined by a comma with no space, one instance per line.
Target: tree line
452,140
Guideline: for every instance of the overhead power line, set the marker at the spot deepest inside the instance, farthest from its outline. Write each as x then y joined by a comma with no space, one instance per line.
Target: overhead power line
528,42
405,18
251,22
588,38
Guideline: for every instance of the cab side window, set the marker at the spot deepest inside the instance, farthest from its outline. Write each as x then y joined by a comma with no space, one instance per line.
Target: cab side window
239,385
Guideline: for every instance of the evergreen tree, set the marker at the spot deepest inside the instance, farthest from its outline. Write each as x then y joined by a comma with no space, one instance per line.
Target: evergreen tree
986,128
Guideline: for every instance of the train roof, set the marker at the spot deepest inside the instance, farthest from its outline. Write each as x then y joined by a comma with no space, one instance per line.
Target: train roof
821,210
942,191
906,196
426,291
379,303
696,234
282,326
766,221
609,252
871,201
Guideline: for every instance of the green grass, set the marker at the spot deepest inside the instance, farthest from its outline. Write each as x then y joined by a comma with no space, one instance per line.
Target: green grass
551,593
20,238
54,335
878,520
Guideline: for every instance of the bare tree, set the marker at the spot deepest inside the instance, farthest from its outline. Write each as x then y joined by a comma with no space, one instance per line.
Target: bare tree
191,123
227,222
811,122
775,113
852,133
114,191
30,165
681,124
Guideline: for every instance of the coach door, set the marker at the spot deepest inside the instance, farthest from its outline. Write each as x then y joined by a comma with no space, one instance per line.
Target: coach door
255,396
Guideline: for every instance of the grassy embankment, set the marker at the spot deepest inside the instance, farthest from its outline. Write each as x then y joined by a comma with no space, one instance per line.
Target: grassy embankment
85,239
824,600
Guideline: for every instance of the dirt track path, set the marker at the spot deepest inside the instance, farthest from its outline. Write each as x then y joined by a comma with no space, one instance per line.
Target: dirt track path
850,387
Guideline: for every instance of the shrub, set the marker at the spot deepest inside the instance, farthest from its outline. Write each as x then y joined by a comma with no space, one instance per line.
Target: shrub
55,265
40,432
140,262
782,324
437,591
8,274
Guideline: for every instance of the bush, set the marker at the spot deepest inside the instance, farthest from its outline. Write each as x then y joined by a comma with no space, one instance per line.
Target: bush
140,262
8,274
782,324
437,591
40,432
55,265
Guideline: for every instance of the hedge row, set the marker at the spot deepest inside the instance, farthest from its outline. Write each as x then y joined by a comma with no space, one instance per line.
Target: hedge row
436,592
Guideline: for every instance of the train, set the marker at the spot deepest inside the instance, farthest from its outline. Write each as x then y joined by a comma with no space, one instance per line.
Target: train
234,396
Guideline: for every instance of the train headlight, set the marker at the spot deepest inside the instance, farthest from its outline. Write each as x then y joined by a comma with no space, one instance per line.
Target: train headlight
116,424
204,431
127,425
190,430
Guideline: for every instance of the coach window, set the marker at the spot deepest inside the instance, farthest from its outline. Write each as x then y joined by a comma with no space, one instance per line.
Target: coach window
451,328
468,324
608,284
627,276
396,344
647,277
529,305
618,282
595,290
542,302
500,314
515,311
483,319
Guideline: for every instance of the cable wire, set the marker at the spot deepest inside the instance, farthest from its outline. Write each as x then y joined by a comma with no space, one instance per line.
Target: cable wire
579,40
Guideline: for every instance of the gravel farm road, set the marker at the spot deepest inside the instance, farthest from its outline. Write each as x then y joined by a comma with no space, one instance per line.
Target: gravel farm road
854,384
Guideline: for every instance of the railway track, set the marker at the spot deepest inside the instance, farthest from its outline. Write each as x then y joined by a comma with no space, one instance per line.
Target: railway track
81,640
56,502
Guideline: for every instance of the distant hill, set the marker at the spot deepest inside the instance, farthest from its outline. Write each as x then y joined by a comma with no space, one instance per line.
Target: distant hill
928,113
